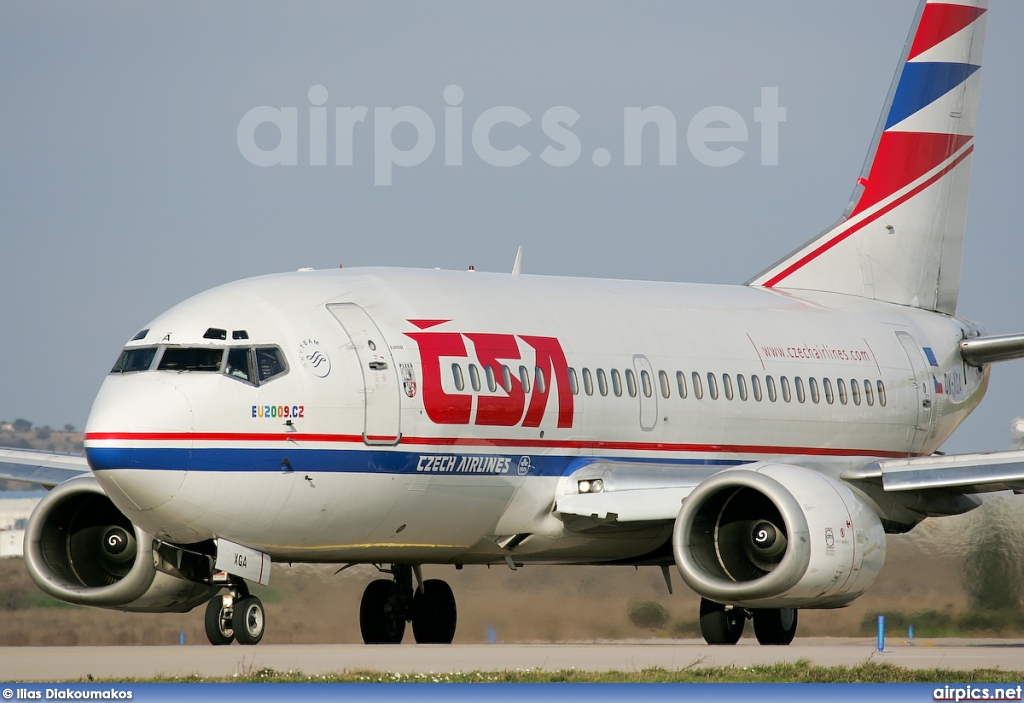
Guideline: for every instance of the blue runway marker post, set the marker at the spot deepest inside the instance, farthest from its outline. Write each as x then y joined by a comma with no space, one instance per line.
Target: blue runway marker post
881,633
181,637
910,632
492,635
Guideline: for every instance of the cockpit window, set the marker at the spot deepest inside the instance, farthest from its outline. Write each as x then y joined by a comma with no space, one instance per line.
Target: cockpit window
254,365
138,359
191,359
239,365
269,362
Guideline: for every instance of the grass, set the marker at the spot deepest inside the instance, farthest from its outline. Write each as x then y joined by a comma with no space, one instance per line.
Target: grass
795,672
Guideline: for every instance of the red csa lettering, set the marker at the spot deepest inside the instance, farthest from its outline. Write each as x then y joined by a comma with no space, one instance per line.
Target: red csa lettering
442,408
494,409
491,351
551,362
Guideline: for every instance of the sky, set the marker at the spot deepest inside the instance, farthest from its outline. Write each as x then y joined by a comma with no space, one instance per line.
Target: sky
125,185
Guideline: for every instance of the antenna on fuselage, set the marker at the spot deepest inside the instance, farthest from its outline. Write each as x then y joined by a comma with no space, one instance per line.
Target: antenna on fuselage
517,267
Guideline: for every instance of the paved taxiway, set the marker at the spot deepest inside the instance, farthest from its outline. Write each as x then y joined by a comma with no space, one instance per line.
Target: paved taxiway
66,663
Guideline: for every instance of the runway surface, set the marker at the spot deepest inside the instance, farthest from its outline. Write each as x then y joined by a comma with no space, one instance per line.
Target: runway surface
69,663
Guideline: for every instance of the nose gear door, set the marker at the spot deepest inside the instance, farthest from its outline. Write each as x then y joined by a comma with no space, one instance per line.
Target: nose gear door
381,380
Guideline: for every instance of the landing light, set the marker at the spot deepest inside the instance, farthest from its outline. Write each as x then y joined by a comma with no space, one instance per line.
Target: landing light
591,486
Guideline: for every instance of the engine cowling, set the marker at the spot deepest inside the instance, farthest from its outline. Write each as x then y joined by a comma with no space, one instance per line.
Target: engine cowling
777,536
79,548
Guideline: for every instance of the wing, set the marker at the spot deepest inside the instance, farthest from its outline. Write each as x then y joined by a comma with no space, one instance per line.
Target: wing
964,473
632,492
41,468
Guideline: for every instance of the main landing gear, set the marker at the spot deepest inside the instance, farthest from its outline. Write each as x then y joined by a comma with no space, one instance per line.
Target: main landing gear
235,615
723,624
388,604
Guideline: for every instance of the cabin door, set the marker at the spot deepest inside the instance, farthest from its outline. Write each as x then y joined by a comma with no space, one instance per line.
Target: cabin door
381,380
920,391
646,392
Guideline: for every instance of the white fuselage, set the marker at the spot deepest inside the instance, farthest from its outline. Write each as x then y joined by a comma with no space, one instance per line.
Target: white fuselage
402,428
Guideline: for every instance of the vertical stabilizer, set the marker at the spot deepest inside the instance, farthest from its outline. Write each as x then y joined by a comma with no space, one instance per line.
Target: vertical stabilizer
901,238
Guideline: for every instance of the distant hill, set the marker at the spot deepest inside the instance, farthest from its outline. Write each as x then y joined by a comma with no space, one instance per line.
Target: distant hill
44,438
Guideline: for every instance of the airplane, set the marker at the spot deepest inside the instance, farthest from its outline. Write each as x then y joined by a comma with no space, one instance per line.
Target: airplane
761,438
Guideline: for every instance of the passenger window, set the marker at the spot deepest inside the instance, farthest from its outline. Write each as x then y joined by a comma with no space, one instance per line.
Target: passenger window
460,382
698,389
741,386
239,365
492,383
755,384
191,359
770,382
727,385
712,386
666,387
616,383
681,382
881,394
506,379
524,379
538,376
855,391
786,394
815,396
588,382
841,387
869,395
630,383
474,377
602,382
827,384
574,386
798,382
645,383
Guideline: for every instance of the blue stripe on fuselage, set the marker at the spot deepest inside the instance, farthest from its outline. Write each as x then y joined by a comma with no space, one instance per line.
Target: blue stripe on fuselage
358,461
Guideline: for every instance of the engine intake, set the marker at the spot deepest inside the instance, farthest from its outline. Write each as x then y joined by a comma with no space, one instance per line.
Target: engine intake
79,548
777,536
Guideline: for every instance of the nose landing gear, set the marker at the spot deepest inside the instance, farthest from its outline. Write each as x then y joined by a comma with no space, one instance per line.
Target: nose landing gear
388,604
235,615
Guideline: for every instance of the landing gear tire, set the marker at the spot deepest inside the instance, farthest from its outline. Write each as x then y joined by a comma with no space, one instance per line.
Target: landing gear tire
218,622
433,613
718,625
379,622
775,626
249,620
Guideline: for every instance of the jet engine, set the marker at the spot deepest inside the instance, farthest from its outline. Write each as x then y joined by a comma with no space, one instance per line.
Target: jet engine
81,549
777,536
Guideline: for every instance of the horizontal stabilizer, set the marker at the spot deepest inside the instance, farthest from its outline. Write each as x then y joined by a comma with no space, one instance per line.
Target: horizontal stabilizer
966,473
979,351
41,468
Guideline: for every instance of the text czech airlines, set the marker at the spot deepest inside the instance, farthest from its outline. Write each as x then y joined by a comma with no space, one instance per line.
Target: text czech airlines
511,405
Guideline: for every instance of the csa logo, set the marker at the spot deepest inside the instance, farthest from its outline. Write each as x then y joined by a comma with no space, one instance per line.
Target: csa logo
314,358
408,379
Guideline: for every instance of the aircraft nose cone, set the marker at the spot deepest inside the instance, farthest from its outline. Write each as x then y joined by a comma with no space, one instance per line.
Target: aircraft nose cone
138,440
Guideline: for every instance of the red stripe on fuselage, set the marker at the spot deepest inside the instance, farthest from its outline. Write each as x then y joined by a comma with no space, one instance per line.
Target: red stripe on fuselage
494,442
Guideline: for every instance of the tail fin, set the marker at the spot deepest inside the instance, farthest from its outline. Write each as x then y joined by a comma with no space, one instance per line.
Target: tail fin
901,238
